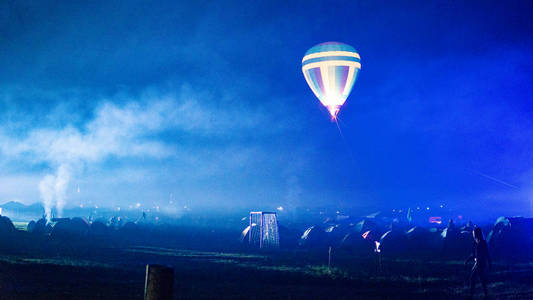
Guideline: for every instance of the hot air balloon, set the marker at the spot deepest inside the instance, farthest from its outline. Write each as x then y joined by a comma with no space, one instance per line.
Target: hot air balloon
330,70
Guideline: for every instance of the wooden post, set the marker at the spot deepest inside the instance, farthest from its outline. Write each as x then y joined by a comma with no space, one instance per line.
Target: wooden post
159,282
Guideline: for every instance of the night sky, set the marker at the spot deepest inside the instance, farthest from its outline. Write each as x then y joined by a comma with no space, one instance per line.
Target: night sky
203,104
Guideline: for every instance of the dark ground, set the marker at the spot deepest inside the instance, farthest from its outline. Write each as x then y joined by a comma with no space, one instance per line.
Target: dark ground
89,272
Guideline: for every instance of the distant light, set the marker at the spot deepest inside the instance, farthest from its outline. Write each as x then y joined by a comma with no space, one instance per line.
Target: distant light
418,207
185,207
393,210
338,212
81,205
435,220
400,211
96,206
280,208
118,208
427,208
138,205
442,205
377,246
171,202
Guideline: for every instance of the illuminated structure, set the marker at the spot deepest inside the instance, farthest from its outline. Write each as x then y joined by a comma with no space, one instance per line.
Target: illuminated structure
264,230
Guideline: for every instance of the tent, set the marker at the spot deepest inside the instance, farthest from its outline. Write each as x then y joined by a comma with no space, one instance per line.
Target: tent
130,231
358,243
98,229
6,226
70,228
511,239
393,242
288,237
31,226
456,243
245,235
336,233
38,227
366,225
313,237
422,241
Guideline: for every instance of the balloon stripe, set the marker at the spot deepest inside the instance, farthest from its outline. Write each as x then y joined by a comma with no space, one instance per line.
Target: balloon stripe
342,77
331,53
330,58
325,81
313,84
310,82
350,83
320,82
316,77
332,74
332,63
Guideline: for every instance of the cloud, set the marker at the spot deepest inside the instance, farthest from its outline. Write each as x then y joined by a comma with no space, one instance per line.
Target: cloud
179,134
129,130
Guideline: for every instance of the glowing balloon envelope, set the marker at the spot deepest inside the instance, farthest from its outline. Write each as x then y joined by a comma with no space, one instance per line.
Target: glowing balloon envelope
330,70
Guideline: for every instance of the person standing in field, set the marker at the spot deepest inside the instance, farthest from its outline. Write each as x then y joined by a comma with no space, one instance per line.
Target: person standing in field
482,261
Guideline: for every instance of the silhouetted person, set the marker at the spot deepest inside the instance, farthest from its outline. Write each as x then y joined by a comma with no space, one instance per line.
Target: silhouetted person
482,262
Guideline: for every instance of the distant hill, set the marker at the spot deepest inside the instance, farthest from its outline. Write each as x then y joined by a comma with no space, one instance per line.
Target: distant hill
16,210
13,205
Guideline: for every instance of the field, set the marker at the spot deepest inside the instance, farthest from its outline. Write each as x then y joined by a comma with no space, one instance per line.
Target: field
85,271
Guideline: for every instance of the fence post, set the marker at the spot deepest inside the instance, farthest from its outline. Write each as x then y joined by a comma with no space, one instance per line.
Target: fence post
159,282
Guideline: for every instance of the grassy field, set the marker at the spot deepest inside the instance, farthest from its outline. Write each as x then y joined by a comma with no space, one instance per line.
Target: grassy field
118,273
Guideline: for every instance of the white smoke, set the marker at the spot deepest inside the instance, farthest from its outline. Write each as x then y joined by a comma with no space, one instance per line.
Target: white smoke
60,188
46,189
53,190
123,129
114,132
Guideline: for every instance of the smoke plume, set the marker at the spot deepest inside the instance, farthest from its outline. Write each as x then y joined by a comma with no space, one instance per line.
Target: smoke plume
53,190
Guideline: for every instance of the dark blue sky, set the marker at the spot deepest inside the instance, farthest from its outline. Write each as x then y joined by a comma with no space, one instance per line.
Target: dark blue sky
203,103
